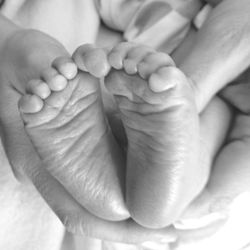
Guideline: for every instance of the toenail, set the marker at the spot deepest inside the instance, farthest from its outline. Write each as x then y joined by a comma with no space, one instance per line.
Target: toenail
158,83
97,63
70,70
115,60
44,90
57,83
130,66
30,104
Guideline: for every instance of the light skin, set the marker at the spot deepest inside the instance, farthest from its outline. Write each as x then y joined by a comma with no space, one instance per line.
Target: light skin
232,160
35,118
141,105
228,178
47,177
25,161
130,81
55,73
214,72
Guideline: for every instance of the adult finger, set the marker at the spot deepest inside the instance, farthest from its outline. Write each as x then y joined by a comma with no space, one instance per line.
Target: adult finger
215,121
27,165
214,125
226,198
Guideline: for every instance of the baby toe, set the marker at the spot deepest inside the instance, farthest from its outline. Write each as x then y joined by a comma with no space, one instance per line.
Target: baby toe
96,62
118,54
130,66
30,104
55,81
166,78
153,61
134,56
65,66
39,88
79,53
92,60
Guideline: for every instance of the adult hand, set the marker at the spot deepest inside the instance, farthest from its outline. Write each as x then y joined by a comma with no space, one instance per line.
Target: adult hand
215,60
215,57
220,215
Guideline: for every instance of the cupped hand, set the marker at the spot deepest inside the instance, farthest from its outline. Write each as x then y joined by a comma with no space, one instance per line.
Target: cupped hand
221,212
24,56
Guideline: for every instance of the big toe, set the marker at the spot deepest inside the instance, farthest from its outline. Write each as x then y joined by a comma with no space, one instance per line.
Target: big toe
92,60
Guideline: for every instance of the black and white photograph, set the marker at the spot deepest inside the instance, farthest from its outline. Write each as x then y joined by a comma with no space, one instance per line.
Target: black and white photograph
124,124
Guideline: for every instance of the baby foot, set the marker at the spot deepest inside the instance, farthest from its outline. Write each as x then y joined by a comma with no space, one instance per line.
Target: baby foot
157,108
63,115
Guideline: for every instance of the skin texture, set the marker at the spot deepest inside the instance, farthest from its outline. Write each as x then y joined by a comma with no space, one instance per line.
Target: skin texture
38,51
152,94
41,119
23,156
38,120
212,74
123,81
209,72
232,159
58,105
16,139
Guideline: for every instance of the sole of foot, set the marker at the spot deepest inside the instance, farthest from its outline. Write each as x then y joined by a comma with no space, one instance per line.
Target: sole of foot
157,107
63,116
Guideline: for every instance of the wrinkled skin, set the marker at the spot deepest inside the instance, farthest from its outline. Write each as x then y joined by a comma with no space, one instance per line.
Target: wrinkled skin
25,161
14,137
